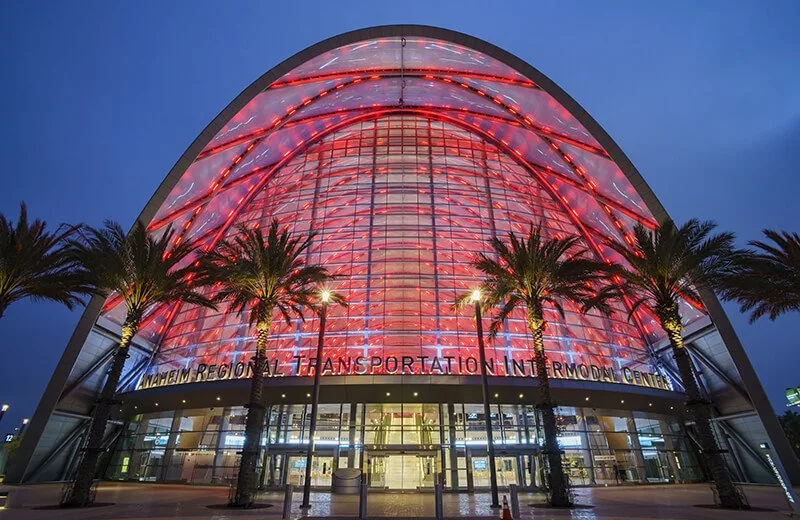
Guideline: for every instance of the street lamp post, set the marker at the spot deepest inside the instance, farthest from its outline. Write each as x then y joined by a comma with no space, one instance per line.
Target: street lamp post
325,296
3,410
476,297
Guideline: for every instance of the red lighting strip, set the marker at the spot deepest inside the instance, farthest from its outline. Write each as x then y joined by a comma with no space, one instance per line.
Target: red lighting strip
546,133
205,198
291,194
581,172
408,71
263,133
277,123
572,214
516,116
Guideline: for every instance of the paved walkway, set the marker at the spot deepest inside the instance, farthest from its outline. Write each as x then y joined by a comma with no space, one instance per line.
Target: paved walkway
155,501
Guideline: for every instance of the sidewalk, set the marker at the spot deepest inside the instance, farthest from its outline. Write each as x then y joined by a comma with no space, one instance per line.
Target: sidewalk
157,501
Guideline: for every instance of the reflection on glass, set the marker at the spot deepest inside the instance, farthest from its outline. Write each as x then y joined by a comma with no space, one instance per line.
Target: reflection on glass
402,446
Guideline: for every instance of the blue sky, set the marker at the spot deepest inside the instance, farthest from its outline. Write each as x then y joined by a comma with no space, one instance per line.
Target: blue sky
99,99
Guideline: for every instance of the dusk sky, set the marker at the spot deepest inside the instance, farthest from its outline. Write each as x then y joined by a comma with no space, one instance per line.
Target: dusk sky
100,99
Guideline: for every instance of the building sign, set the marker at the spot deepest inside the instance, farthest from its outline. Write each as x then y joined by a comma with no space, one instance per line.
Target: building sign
605,458
780,475
410,365
793,396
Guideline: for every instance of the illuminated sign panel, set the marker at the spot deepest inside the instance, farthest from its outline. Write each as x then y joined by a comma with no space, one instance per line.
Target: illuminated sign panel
406,365
793,396
781,477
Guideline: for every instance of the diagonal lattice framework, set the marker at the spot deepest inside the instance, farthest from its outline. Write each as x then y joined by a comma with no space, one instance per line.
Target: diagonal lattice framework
451,139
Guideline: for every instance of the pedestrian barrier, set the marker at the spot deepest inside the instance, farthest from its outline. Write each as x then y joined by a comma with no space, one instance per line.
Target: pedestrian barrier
287,502
514,491
362,502
438,499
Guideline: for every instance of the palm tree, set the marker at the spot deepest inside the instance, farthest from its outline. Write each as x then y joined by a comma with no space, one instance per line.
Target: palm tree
766,281
536,272
261,274
144,271
33,263
665,266
790,421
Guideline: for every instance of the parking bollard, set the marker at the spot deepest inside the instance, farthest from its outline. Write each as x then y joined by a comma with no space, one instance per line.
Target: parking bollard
514,489
362,502
287,502
438,502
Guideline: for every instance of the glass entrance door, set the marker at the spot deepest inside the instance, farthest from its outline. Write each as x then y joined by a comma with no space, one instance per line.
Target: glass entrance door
427,468
321,470
512,468
402,472
507,471
480,472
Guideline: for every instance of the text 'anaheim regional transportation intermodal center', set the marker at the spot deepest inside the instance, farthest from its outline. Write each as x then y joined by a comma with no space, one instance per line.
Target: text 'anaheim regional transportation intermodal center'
405,148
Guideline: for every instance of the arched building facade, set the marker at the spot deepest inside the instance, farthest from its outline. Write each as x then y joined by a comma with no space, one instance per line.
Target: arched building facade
405,149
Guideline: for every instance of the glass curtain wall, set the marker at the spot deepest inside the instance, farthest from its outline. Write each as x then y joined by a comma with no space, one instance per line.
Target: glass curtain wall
403,445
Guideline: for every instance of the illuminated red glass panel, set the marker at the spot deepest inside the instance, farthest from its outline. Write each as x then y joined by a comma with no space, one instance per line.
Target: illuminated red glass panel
401,206
406,155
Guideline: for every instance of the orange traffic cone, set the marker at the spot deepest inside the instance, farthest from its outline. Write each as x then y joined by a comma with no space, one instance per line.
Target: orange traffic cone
506,511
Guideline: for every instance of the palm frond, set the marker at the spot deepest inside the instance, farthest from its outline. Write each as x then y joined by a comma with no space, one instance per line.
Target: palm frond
35,263
144,270
534,270
499,319
765,281
261,272
668,264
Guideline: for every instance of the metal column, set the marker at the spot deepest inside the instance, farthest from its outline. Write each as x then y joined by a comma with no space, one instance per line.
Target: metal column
587,454
351,436
219,454
170,448
637,448
451,413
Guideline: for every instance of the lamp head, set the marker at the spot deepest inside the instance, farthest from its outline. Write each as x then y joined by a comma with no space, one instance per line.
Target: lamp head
25,421
4,407
325,296
475,296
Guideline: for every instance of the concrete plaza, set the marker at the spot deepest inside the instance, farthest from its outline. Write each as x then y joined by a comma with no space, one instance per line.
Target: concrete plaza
154,501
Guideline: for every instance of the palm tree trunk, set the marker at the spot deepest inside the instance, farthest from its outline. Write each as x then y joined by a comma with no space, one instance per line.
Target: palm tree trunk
700,411
559,492
80,494
254,426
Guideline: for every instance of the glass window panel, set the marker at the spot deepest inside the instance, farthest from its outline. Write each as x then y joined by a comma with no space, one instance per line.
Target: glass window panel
401,205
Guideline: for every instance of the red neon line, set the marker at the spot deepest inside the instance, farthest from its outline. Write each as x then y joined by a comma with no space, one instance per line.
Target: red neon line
435,116
406,72
206,197
291,110
516,116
